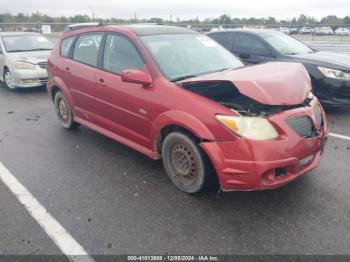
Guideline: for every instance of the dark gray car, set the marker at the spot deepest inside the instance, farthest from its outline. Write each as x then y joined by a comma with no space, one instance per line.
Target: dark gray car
329,72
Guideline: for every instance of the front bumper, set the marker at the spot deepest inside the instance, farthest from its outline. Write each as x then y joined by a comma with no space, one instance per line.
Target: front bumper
245,164
332,92
25,78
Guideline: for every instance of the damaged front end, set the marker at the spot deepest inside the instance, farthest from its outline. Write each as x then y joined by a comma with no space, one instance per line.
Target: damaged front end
260,90
281,126
225,93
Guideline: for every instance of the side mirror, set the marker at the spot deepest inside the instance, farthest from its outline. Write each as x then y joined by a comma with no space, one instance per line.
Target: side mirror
136,76
244,55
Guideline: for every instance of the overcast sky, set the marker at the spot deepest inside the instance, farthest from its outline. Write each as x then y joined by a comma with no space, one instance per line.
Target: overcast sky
180,8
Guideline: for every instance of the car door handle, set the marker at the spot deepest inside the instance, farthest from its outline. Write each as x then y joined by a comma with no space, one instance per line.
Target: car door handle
102,82
67,69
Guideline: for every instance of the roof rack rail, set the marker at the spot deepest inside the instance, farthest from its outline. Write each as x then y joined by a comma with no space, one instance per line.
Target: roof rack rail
81,25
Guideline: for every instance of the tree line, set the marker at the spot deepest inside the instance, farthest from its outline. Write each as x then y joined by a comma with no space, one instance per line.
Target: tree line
302,20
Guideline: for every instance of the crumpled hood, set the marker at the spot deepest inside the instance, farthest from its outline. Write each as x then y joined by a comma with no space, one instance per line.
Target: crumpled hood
275,83
33,57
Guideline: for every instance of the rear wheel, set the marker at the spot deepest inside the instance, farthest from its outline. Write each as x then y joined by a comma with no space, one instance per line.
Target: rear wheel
185,163
9,80
64,112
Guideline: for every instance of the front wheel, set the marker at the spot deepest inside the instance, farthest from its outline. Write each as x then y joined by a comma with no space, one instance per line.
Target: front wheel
185,163
64,112
9,80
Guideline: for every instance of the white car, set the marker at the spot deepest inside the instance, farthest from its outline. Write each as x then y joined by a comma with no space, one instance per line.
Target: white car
306,31
342,31
285,30
326,30
23,59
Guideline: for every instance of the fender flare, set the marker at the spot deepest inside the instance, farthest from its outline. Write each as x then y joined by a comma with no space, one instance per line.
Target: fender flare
59,83
181,119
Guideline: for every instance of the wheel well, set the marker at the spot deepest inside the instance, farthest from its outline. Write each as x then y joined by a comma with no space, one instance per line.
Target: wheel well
175,128
169,129
55,89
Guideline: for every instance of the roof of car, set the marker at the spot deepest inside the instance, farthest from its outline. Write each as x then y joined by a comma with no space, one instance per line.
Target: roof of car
17,33
147,29
138,29
247,30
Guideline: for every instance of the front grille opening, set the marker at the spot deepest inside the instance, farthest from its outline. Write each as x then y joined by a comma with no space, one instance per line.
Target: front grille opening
279,172
302,125
43,65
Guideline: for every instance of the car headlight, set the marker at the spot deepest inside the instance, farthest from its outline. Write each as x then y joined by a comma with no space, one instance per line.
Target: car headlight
255,128
23,65
333,73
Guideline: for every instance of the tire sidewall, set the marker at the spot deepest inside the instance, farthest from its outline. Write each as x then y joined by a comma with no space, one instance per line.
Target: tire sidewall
70,123
8,87
202,176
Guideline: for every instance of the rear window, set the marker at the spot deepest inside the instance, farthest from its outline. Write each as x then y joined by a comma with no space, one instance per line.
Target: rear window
66,45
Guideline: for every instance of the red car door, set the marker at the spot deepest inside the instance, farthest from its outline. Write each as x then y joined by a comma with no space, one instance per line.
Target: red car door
122,108
81,70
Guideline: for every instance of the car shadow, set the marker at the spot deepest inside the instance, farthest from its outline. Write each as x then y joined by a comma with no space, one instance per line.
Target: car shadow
31,90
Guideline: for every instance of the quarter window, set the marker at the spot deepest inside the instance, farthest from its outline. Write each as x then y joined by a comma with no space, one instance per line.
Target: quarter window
120,54
221,38
66,45
86,49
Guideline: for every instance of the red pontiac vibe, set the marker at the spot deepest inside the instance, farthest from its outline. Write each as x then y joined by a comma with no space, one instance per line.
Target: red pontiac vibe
175,94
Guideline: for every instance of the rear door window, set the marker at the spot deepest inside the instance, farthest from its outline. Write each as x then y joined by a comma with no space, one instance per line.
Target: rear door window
120,54
248,44
86,48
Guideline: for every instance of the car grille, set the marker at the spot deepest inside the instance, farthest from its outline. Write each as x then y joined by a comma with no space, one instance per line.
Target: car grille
43,80
302,125
43,65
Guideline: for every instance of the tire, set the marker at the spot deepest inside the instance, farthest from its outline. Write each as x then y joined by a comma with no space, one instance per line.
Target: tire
64,112
185,163
8,80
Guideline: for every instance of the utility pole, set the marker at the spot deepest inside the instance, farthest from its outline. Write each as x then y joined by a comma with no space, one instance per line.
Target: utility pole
93,13
38,20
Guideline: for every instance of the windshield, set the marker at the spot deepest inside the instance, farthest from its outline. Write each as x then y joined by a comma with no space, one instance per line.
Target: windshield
180,56
22,43
285,44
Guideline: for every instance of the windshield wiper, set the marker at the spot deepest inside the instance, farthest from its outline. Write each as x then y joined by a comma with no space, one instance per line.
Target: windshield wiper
40,49
220,70
17,50
28,50
176,79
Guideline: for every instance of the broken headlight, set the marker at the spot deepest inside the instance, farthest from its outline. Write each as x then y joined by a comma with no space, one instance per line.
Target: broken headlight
255,128
333,73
